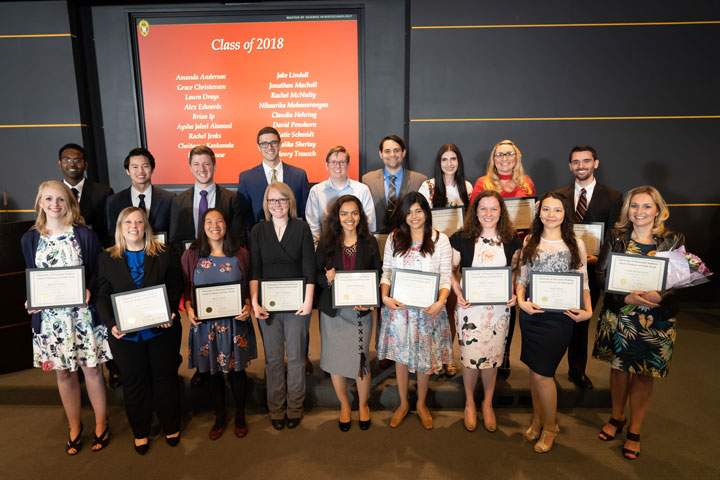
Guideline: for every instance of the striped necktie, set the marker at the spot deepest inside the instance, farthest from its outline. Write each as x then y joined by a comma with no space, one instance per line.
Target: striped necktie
581,208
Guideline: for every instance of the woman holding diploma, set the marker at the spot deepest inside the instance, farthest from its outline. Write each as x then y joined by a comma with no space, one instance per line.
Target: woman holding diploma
281,247
65,339
488,240
148,358
636,332
417,339
346,244
551,246
219,346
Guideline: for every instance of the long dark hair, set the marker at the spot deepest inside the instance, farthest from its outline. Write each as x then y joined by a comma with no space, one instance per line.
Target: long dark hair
439,196
402,239
566,230
473,229
203,244
332,232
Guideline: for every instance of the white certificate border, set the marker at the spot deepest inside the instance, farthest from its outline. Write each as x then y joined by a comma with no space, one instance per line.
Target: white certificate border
602,233
211,285
557,274
469,269
345,272
28,296
666,261
115,296
415,272
262,303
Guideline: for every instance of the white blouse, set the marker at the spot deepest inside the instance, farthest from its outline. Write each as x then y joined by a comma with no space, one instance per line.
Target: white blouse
453,195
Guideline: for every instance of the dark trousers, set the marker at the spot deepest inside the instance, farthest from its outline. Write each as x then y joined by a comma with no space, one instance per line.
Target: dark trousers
578,348
216,385
149,381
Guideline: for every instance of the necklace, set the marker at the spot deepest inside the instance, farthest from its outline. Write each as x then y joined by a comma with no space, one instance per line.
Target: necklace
493,242
350,251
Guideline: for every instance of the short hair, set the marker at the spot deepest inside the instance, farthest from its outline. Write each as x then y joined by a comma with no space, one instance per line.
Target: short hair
337,149
202,150
284,190
72,216
152,246
265,131
582,148
73,146
139,151
394,138
623,224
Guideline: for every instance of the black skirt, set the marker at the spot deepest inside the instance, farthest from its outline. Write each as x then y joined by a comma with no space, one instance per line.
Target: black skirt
545,338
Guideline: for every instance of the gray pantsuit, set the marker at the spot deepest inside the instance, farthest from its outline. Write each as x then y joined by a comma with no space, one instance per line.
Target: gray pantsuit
283,332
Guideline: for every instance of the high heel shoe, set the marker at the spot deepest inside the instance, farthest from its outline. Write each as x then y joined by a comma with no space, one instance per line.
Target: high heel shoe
470,421
73,445
364,424
547,440
490,424
345,426
398,416
141,449
426,419
633,437
173,441
532,433
102,441
618,424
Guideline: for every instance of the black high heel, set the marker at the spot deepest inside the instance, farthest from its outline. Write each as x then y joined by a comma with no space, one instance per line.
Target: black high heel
344,426
618,424
173,441
633,437
102,441
74,443
142,449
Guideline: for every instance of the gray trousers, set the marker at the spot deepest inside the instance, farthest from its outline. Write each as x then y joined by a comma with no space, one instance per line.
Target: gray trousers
285,332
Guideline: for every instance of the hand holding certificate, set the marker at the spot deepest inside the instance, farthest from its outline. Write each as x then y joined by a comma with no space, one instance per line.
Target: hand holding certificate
55,287
282,295
140,309
635,273
357,288
414,288
218,301
487,285
556,291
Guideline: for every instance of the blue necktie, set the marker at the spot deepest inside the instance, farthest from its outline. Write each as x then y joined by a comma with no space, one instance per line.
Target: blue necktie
201,210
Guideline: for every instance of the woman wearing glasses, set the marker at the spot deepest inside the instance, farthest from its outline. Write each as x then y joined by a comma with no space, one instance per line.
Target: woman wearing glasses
281,247
505,173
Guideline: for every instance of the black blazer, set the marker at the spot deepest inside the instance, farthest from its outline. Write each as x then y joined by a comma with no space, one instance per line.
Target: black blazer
92,207
293,257
114,277
182,223
367,258
605,204
160,207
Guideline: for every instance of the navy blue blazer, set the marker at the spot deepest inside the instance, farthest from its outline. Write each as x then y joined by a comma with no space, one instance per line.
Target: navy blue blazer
251,189
160,208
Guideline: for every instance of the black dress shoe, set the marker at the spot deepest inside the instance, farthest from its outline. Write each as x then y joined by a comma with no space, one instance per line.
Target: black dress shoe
293,422
142,449
173,441
583,382
344,426
278,424
364,424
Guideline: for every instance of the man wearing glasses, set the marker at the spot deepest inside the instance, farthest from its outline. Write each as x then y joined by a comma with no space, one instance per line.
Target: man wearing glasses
254,181
337,184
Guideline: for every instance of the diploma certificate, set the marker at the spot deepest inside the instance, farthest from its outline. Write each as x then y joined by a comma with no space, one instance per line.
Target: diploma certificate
160,237
556,291
521,211
55,287
487,285
591,234
218,301
282,295
415,288
628,273
355,288
141,308
448,220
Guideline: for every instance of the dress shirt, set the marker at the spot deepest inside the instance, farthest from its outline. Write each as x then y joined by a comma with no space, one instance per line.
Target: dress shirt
78,187
323,193
210,199
134,196
398,182
588,192
268,172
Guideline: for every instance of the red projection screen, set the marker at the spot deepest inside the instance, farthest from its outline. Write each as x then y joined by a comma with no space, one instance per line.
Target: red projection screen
217,80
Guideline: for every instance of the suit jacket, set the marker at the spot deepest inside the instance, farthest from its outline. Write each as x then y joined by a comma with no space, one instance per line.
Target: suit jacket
92,207
375,180
182,222
604,205
160,207
251,189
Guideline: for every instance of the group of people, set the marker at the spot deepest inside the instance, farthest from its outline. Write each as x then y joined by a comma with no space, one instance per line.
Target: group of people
276,227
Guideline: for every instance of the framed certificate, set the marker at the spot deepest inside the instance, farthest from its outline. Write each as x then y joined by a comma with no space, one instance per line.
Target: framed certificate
521,211
628,273
55,287
160,237
382,240
414,288
591,234
286,295
556,291
355,288
218,300
448,220
487,285
141,308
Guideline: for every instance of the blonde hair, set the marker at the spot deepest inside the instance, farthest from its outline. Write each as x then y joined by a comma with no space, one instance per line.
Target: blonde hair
72,215
492,178
152,247
284,190
624,223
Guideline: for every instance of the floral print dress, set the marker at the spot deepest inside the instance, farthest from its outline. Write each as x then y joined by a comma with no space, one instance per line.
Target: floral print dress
67,339
224,344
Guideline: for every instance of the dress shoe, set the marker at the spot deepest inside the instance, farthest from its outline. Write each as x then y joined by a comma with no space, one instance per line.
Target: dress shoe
364,424
174,441
278,424
426,419
344,426
142,449
217,430
547,440
293,422
583,382
532,433
241,430
489,421
470,419
398,416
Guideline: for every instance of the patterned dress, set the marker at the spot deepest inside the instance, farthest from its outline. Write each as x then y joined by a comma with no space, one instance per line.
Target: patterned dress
482,329
636,339
225,344
67,339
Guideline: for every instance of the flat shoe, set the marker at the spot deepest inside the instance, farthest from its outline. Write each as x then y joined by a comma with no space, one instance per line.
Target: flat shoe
397,417
470,421
278,424
142,449
426,419
241,430
293,422
174,441
216,431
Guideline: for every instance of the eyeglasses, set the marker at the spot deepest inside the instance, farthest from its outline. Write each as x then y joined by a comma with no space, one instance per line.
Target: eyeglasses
266,145
71,159
334,163
277,201
504,154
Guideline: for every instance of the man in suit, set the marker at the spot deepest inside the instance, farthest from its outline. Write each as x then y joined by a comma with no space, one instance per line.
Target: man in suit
91,195
139,166
189,206
593,202
389,184
254,181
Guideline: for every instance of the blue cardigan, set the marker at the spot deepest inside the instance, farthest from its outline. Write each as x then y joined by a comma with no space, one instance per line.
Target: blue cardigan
89,250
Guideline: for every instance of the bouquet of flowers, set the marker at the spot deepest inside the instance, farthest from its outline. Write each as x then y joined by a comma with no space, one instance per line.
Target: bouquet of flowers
685,269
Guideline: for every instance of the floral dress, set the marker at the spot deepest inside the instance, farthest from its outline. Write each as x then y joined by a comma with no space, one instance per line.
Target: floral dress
224,344
636,339
67,339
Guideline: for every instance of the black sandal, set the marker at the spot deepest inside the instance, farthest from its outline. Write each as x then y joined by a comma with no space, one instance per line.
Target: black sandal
633,437
74,444
618,424
102,441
